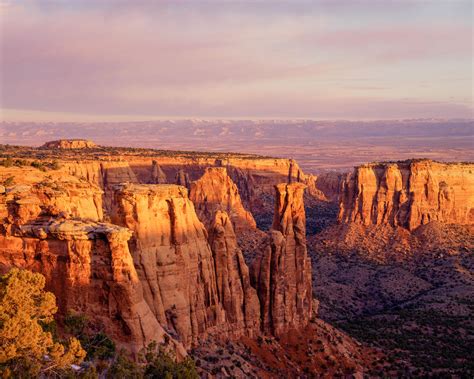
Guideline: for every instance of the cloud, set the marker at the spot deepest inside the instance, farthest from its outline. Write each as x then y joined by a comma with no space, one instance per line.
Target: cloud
224,59
398,43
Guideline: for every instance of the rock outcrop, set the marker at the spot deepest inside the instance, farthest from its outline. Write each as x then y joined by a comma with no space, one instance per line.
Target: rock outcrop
237,296
282,274
215,191
182,178
69,144
157,174
329,183
154,271
408,194
25,203
89,268
172,257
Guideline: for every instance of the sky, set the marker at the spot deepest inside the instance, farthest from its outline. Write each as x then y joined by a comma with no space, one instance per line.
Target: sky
135,60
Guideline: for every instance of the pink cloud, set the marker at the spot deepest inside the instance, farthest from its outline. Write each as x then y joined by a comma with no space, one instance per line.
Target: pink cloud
399,42
190,61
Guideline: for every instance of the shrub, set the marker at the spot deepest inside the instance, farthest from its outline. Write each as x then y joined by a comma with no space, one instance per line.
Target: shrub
39,165
9,181
55,165
7,162
161,364
26,347
123,367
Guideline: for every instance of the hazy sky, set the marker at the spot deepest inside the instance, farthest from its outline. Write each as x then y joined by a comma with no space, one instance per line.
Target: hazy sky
347,59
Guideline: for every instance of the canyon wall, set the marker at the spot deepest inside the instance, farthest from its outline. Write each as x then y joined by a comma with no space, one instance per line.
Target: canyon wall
144,263
215,191
238,298
67,198
282,273
408,194
253,176
89,268
172,257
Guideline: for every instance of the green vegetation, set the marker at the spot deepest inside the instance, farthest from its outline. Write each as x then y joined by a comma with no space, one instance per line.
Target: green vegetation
161,364
426,341
105,152
9,181
30,345
40,165
97,344
27,346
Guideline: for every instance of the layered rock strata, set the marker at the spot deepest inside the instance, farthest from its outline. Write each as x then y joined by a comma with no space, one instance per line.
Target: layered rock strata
282,273
215,191
89,268
172,257
237,296
24,203
69,144
408,194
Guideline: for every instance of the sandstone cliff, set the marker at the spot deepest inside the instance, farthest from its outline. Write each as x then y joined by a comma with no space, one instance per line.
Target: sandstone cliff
408,194
170,275
215,191
27,202
282,273
254,177
90,270
172,257
69,144
329,183
237,296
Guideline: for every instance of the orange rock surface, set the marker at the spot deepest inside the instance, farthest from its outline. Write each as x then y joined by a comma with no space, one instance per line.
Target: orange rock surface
283,271
69,144
172,257
408,194
237,296
215,191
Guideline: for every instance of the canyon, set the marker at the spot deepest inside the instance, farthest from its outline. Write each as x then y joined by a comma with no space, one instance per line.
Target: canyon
212,251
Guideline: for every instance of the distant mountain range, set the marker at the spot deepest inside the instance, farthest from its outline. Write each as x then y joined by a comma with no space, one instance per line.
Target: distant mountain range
318,145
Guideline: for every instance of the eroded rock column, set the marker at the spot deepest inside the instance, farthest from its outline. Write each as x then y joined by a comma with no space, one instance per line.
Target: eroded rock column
282,274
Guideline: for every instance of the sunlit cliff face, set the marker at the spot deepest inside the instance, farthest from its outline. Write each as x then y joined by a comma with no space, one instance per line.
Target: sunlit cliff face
94,60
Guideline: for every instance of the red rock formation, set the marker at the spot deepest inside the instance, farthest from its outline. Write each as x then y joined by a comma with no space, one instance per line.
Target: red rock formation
182,179
64,198
216,191
166,278
408,194
157,174
69,144
90,270
239,299
283,272
329,183
172,257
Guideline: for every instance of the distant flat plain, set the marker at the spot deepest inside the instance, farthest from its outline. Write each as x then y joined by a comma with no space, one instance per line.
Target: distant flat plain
317,145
